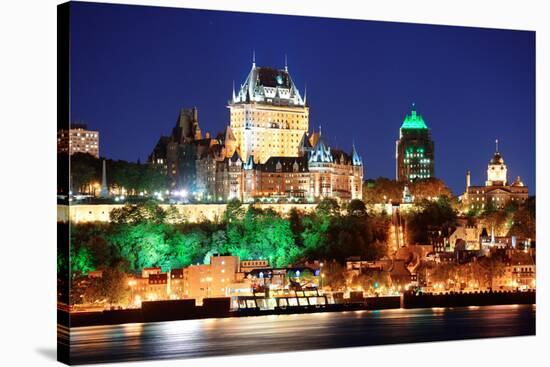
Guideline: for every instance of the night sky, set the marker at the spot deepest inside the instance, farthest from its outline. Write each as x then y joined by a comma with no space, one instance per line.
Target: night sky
133,68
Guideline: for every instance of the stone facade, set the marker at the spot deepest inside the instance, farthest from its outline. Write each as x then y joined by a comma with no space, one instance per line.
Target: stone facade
268,116
315,173
266,153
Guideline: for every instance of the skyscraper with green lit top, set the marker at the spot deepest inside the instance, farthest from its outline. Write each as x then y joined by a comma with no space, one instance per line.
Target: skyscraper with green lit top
414,151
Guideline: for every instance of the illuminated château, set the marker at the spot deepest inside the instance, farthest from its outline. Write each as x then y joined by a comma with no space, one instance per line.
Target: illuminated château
265,154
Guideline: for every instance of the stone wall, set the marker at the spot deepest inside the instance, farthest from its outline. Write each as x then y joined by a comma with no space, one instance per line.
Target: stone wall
82,213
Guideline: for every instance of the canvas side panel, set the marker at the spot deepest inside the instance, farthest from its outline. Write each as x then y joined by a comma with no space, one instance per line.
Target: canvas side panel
63,185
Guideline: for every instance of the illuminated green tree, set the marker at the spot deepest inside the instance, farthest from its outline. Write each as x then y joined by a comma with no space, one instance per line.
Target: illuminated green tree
81,260
187,248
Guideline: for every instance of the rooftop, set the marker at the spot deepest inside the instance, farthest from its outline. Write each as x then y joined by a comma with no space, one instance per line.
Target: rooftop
413,121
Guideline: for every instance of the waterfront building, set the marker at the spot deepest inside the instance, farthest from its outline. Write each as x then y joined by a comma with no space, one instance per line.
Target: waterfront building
414,151
497,191
210,280
519,273
78,139
175,288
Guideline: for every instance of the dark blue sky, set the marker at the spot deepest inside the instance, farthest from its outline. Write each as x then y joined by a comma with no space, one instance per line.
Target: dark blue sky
133,68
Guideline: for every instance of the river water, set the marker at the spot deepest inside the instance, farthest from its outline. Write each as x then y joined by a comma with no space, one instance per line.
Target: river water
262,334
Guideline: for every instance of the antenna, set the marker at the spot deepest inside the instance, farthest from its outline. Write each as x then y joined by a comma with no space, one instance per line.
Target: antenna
253,58
286,64
496,142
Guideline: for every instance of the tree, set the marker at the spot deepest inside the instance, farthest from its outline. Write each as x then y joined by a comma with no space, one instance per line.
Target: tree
328,207
431,216
382,190
488,269
523,222
233,211
148,212
429,188
81,261
84,171
188,248
334,277
112,288
357,208
372,280
173,215
296,226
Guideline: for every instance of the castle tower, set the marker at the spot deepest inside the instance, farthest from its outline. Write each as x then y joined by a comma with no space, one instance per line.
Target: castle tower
268,115
320,168
357,182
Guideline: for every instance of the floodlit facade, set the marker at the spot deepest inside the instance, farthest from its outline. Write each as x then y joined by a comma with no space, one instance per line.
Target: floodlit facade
210,280
414,151
315,173
268,115
266,154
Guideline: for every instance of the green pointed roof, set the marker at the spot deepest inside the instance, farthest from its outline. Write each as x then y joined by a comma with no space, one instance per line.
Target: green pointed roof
413,121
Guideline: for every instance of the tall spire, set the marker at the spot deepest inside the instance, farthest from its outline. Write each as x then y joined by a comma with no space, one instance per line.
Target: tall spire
286,64
355,158
104,193
253,58
496,143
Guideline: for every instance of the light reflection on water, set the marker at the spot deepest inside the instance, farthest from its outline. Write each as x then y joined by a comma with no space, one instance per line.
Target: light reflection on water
193,338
